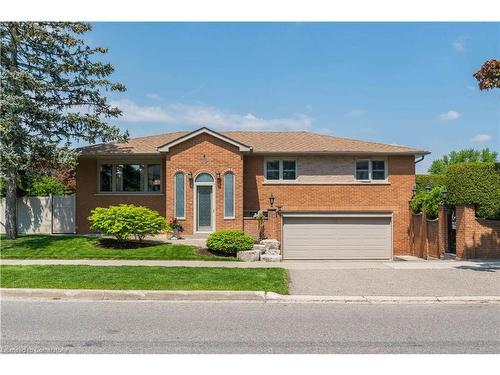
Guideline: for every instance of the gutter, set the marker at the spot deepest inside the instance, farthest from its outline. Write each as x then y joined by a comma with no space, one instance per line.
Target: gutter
422,157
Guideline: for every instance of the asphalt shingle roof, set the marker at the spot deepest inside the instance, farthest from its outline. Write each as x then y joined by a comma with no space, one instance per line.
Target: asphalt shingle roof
261,142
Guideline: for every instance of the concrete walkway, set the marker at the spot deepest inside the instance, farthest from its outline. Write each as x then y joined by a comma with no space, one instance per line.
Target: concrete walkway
291,265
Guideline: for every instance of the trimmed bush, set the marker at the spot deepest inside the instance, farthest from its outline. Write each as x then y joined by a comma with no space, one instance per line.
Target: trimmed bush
45,185
229,241
433,180
477,184
126,220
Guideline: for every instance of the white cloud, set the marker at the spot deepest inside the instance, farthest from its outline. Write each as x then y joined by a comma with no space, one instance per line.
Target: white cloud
153,96
199,115
449,116
481,138
356,113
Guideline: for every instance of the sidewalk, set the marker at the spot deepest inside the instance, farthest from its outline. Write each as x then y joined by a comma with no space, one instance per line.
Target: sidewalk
291,265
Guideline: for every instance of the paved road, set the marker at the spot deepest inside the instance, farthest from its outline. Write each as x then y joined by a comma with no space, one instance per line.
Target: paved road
173,327
397,282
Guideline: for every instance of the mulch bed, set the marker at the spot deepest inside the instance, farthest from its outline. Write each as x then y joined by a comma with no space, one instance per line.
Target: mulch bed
110,243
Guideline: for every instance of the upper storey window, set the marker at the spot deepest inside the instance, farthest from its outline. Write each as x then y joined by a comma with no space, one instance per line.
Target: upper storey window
280,169
371,170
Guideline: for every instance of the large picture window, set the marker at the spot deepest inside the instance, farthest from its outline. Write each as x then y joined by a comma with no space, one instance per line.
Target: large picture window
229,195
371,170
179,195
281,170
129,178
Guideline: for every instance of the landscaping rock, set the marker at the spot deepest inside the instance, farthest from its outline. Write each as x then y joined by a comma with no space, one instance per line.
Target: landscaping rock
248,256
261,248
271,244
270,258
273,252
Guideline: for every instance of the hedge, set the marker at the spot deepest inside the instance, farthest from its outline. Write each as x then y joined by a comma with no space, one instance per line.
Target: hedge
477,184
229,241
433,180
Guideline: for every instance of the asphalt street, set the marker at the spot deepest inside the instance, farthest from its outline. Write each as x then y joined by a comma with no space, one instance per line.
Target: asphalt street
231,327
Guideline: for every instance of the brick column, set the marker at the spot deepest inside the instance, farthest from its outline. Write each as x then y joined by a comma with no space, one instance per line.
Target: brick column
443,230
466,216
273,224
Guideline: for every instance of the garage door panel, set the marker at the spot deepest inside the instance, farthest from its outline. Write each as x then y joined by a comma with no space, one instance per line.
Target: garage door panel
337,238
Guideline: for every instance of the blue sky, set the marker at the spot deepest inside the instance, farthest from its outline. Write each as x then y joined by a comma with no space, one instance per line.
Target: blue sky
404,83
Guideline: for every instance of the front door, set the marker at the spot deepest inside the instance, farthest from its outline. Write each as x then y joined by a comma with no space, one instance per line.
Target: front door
204,208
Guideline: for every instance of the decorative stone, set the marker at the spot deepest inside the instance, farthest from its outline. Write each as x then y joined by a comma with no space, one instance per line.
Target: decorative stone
271,244
261,248
248,256
270,258
273,252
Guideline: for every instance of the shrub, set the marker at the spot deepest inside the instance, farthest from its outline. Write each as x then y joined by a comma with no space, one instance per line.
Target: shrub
477,184
432,180
45,185
417,202
125,220
229,241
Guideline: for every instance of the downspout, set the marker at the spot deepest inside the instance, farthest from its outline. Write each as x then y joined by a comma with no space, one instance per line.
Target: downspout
422,157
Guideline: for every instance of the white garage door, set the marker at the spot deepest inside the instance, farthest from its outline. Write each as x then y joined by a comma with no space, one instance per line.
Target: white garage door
337,238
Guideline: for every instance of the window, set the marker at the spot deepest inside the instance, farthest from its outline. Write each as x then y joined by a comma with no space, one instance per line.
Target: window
272,170
362,169
106,177
281,170
204,177
154,177
179,195
229,195
378,170
371,170
289,170
129,178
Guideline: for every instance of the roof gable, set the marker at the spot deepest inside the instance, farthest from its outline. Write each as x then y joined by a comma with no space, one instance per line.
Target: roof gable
166,147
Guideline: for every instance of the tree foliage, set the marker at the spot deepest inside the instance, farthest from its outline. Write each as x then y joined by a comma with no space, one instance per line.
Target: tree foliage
489,75
46,185
428,202
440,166
53,87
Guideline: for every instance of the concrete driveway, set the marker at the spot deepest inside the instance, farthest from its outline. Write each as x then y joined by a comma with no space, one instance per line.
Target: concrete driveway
404,280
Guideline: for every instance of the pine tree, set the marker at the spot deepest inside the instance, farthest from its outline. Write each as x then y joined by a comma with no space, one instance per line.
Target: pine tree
52,92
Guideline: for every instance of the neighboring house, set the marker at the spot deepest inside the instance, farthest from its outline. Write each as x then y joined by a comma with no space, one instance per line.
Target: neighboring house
339,198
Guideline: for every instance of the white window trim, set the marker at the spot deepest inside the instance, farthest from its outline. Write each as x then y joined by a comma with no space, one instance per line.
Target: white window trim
175,195
370,170
281,170
144,191
234,195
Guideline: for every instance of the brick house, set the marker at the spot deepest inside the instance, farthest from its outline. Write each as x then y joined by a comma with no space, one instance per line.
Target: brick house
334,198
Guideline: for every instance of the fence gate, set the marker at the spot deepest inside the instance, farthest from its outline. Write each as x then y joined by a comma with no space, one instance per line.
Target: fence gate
63,214
452,230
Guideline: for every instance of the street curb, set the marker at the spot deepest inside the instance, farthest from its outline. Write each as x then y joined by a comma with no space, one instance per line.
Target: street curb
237,296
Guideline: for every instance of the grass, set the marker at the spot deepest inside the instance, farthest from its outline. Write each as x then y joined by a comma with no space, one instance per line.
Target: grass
144,278
82,247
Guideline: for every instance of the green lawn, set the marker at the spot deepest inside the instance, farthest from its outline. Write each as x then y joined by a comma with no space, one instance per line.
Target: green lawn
145,278
82,247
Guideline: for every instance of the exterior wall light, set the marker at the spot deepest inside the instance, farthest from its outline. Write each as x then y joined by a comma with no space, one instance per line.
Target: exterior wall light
190,176
217,175
414,191
271,200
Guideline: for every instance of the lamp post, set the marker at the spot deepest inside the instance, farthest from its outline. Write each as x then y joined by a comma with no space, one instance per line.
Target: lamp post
444,194
428,188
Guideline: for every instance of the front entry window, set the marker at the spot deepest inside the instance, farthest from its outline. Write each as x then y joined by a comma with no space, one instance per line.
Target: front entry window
204,177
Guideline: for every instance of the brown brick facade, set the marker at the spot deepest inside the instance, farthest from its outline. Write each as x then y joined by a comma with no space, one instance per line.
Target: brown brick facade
392,197
205,153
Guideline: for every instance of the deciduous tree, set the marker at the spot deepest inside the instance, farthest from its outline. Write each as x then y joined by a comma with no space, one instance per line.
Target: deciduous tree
489,75
440,166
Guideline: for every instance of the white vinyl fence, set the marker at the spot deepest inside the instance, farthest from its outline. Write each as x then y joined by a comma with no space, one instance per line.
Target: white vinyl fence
52,214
